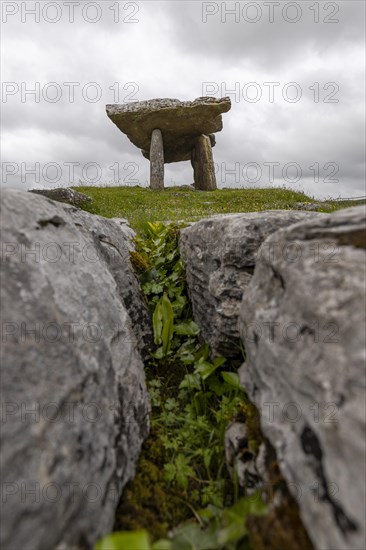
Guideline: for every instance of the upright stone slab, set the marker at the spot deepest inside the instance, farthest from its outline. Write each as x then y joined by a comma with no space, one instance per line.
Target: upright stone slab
157,160
203,166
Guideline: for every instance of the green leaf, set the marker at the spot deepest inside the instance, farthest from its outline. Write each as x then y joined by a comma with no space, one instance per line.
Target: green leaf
192,537
188,328
185,356
131,540
205,369
158,354
162,544
163,325
234,518
232,378
180,301
217,386
191,381
158,323
168,323
218,361
156,288
203,352
146,277
209,513
182,479
207,456
169,471
171,404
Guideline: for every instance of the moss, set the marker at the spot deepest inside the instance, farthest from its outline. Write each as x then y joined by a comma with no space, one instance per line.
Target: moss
138,261
250,416
281,529
148,502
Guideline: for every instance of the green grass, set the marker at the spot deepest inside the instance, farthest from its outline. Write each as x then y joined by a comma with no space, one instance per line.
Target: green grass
139,204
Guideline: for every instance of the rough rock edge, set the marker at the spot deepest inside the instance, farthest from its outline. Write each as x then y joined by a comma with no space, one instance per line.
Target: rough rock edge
48,219
223,105
65,195
340,521
212,259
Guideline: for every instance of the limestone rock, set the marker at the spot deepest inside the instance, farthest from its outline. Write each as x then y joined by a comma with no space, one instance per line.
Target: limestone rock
127,230
114,242
311,206
220,255
180,122
184,187
75,407
249,468
303,326
156,160
255,469
203,165
64,194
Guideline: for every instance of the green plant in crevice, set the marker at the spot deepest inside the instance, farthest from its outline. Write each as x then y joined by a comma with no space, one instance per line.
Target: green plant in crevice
163,325
197,414
205,396
215,529
193,398
159,249
134,540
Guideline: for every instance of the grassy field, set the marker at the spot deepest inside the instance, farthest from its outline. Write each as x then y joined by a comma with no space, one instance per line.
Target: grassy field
139,204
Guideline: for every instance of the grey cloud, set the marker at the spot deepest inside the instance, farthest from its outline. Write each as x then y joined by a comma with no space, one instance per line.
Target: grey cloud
233,38
170,52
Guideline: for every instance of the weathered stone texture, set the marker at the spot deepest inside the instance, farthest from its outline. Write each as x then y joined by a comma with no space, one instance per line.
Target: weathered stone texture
203,165
303,327
220,255
157,160
64,194
73,387
180,122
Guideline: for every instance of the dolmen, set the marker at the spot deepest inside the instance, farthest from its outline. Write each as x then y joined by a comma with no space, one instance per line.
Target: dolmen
169,130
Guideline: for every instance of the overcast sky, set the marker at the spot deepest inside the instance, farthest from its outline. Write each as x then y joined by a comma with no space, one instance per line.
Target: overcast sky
295,72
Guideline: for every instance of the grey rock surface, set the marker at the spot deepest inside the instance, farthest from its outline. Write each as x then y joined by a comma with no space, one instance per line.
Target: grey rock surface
75,407
156,160
303,327
180,122
114,241
129,233
185,188
64,194
243,464
220,255
203,165
311,206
